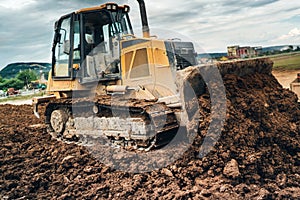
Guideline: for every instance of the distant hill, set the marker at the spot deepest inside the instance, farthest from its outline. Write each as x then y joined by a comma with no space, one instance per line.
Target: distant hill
275,48
11,70
278,48
211,55
264,50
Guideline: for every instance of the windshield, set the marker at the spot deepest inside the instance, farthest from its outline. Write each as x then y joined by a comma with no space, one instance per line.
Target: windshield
102,31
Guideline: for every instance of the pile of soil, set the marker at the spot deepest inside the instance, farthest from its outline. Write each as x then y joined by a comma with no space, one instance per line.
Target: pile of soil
257,156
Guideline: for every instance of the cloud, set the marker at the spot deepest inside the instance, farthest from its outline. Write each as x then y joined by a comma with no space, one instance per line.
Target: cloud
292,34
246,3
26,27
215,24
16,4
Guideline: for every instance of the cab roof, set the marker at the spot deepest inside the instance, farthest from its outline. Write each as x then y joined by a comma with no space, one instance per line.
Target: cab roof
107,6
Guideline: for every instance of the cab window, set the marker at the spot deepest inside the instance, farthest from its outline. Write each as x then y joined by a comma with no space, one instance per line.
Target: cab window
62,49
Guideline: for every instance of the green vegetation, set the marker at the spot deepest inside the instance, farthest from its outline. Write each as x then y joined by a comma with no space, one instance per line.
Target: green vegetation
11,83
289,61
27,76
22,79
11,70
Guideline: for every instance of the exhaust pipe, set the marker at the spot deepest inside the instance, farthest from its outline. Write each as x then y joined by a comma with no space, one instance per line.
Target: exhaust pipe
146,29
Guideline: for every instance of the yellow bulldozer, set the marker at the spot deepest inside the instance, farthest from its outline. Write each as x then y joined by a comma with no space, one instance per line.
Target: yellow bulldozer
100,68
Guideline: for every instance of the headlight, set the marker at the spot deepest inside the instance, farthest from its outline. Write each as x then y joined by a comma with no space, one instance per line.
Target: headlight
126,8
111,6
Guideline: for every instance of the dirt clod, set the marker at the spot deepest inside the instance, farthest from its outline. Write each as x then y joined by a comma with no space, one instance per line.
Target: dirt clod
231,169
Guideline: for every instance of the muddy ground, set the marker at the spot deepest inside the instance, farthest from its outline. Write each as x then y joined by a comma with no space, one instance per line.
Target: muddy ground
257,156
285,77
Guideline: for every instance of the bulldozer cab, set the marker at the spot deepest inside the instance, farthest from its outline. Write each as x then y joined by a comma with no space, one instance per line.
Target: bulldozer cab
86,44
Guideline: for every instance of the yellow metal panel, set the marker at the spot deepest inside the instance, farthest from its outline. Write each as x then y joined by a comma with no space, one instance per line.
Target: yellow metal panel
91,9
160,56
128,55
62,70
128,62
150,54
141,66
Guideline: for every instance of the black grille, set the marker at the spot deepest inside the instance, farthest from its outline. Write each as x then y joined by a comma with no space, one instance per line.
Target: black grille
181,54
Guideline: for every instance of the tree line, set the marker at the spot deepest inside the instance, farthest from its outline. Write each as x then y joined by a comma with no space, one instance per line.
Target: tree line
288,50
22,79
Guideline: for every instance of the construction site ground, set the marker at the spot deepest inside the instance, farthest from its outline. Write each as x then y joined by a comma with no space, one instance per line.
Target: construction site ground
257,156
285,77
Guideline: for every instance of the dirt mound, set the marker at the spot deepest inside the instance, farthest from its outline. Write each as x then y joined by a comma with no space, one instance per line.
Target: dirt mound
257,156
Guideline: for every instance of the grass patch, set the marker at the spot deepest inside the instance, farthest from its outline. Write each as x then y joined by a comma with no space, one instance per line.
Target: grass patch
286,61
20,97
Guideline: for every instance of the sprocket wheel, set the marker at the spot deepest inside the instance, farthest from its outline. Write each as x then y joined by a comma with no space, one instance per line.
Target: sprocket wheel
58,120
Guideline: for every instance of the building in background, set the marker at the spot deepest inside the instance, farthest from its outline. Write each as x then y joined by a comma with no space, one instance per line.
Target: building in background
232,51
243,52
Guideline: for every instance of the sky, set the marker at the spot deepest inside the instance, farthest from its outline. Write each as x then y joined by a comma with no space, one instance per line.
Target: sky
26,27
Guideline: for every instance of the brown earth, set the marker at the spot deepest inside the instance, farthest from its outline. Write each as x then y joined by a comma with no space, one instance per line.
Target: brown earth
285,77
257,156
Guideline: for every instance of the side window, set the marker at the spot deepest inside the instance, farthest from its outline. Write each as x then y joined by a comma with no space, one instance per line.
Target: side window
106,37
76,54
62,50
